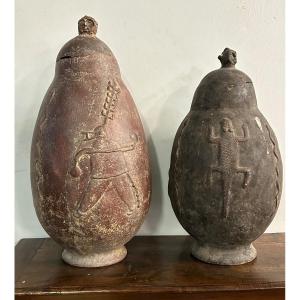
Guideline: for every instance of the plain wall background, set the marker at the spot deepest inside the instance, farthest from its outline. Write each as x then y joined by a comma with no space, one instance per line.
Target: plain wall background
164,48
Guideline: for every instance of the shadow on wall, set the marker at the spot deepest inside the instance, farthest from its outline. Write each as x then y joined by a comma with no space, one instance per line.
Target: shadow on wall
176,98
154,215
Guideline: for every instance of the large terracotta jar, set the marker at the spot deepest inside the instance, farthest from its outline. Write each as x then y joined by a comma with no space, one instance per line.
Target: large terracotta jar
89,161
226,172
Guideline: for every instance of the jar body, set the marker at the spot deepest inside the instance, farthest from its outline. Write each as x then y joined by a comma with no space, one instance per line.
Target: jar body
89,160
225,184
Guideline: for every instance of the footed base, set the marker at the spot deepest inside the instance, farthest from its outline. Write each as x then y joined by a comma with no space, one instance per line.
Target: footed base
222,256
100,259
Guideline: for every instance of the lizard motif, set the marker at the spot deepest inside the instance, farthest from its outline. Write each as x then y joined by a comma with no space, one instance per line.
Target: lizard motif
228,156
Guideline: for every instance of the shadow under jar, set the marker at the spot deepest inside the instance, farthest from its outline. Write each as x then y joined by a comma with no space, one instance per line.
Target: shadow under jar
225,177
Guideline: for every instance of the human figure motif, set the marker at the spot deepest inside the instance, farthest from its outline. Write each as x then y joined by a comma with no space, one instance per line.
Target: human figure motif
87,26
108,170
228,58
228,166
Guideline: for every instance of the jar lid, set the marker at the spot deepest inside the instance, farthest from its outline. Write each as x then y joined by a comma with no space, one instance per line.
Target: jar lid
226,87
86,43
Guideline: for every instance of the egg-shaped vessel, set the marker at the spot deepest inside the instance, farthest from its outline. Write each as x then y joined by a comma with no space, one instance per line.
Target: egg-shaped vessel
90,171
225,176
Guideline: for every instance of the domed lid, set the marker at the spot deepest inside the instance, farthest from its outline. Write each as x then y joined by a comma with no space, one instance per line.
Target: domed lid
86,43
226,87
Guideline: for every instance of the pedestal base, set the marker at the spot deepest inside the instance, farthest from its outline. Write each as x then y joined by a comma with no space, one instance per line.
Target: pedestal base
219,256
100,259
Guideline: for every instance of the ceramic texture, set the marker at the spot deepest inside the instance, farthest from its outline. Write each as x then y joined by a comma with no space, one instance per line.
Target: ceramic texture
89,160
225,177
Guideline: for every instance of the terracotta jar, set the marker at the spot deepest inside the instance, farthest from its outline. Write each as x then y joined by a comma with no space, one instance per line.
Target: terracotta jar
89,160
226,173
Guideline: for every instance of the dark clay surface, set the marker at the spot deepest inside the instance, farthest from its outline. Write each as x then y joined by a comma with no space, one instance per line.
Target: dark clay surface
226,171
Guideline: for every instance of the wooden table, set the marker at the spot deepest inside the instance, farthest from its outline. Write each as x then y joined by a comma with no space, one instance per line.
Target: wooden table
157,267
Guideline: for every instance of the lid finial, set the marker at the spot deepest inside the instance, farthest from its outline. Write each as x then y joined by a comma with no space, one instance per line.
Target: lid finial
87,26
228,58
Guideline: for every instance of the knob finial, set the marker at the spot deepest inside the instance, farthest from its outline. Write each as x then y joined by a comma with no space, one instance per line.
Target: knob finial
228,58
87,26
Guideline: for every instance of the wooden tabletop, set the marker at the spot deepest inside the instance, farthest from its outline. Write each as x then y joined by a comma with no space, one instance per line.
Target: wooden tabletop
156,267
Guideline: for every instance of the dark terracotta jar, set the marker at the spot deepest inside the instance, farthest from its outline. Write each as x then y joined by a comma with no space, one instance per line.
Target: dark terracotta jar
226,173
89,160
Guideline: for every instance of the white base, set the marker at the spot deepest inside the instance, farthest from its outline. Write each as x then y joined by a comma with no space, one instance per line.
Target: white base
94,260
234,256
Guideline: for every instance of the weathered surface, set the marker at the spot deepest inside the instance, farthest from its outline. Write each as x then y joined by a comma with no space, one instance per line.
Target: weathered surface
104,258
226,171
89,160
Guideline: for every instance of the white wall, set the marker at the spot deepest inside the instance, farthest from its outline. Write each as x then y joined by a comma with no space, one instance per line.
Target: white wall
164,48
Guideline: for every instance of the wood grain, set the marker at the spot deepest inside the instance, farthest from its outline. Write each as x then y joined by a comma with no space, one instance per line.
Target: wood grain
157,267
